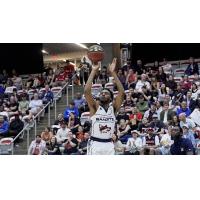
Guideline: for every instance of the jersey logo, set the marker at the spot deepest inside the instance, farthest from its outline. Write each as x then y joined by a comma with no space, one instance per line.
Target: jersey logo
104,129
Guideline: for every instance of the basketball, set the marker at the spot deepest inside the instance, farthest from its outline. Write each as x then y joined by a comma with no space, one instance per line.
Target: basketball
96,53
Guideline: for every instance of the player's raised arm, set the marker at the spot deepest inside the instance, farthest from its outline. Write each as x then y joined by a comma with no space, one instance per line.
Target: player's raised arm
120,97
87,91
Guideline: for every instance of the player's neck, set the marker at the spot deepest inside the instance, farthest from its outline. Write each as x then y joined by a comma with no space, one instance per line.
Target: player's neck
105,106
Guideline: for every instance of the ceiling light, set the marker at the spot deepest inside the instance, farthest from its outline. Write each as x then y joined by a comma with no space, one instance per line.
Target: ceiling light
45,52
81,45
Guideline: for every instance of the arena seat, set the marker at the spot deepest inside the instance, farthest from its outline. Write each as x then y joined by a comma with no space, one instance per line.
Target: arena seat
109,86
84,117
9,90
96,89
55,91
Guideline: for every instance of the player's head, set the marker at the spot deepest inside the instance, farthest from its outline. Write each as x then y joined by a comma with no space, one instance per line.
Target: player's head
106,96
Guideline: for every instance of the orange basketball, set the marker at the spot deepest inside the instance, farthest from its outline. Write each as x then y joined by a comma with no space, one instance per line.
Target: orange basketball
96,53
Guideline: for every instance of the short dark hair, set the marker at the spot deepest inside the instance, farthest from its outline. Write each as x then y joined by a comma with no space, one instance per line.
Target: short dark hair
111,94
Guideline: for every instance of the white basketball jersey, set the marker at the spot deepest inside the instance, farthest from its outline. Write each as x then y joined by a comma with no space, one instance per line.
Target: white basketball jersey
103,123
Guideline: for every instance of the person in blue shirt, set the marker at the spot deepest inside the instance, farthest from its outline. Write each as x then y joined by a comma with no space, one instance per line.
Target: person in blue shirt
47,96
181,146
4,126
70,109
187,133
183,109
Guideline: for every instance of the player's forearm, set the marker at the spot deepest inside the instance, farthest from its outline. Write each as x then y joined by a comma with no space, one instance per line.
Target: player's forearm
118,83
88,85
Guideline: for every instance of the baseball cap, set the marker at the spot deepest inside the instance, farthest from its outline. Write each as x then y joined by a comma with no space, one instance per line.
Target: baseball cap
186,126
135,131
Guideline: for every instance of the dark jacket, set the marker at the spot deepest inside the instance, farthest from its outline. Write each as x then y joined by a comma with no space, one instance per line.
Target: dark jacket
170,115
191,70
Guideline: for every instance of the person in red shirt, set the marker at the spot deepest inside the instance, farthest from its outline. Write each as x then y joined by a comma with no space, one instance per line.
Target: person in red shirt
185,83
61,77
69,69
131,78
135,117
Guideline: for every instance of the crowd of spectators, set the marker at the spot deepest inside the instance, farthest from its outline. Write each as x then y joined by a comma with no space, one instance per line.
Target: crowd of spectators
22,99
159,115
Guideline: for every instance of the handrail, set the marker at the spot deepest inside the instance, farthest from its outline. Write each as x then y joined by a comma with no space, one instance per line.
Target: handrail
35,117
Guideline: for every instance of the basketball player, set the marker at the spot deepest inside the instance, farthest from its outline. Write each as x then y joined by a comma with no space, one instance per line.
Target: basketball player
103,114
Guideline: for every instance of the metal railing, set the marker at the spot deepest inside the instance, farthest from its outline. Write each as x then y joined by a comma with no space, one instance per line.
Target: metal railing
27,127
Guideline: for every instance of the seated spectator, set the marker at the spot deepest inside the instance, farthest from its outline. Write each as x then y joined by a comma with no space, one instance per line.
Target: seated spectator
128,104
103,78
118,146
12,106
80,103
70,109
139,67
46,135
188,134
161,76
62,133
178,94
69,68
167,67
162,92
150,142
167,114
37,147
17,82
59,119
131,79
4,127
53,147
83,144
185,84
171,82
186,121
135,118
157,125
122,115
165,143
150,112
142,105
184,109
73,123
175,121
50,77
61,78
159,108
23,105
195,91
143,126
146,93
134,144
47,95
70,145
181,146
142,82
191,104
192,67
16,126
121,77
3,112
35,105
123,131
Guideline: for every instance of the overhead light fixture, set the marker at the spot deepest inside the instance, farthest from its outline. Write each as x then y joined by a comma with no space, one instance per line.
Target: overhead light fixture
44,52
81,45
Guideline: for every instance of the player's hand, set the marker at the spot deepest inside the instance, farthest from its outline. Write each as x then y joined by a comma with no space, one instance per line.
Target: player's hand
96,67
113,65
